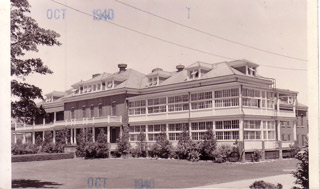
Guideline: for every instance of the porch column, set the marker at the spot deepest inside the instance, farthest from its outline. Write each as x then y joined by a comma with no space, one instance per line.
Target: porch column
42,136
75,136
54,137
93,134
15,137
71,136
108,134
33,137
278,102
44,121
294,130
54,117
278,130
23,138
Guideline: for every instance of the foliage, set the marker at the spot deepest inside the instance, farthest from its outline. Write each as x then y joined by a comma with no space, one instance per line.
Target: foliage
185,144
18,149
41,157
222,153
194,154
162,148
208,146
141,146
256,156
302,172
294,149
264,185
84,138
123,144
26,35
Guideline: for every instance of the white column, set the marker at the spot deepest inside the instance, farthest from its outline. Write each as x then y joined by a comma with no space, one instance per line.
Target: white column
108,133
278,129
23,138
93,134
33,137
54,137
294,130
241,134
278,102
44,121
54,117
43,135
75,136
71,136
15,137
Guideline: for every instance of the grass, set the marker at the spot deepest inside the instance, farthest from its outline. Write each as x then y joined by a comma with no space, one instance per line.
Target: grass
121,173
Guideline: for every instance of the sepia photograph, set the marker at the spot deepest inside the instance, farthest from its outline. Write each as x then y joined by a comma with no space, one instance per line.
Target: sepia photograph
161,94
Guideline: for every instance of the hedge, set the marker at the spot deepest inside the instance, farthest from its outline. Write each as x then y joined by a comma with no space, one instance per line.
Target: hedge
41,157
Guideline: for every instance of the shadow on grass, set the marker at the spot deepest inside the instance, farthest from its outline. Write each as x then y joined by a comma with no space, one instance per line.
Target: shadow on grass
22,183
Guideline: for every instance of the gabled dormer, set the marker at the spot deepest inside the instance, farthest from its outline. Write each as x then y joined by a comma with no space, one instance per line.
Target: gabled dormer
197,70
245,67
156,76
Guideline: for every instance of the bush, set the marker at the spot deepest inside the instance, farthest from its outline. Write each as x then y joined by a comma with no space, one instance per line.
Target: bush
141,148
294,149
185,145
123,144
194,156
222,153
302,172
84,138
19,149
264,185
162,148
208,146
256,156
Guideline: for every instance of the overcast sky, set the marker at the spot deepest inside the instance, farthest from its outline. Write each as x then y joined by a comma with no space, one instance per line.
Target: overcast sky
90,46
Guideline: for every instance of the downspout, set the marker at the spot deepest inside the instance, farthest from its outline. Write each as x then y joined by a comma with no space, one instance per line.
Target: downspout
189,115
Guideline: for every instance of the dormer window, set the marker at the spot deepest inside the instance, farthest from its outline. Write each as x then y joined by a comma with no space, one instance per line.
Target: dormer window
153,81
85,89
251,71
103,85
98,87
110,84
81,90
194,74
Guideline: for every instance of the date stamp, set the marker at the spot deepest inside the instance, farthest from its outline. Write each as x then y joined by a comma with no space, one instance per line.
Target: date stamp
143,183
56,14
97,182
103,14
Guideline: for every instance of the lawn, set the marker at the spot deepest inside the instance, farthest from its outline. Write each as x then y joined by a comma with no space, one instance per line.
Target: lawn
122,173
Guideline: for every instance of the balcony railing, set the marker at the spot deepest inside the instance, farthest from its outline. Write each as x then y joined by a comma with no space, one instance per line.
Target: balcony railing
71,122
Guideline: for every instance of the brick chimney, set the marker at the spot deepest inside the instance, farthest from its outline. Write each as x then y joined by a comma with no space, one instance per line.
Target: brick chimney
122,67
180,67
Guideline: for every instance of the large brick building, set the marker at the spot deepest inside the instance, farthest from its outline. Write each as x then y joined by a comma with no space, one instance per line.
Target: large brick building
229,97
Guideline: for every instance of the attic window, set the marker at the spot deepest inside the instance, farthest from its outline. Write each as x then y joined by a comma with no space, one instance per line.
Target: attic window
251,71
153,81
103,85
110,84
194,74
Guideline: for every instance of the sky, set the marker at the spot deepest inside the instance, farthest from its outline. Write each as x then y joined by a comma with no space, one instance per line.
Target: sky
90,46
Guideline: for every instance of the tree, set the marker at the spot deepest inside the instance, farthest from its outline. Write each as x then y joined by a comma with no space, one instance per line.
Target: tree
162,148
185,144
208,145
26,35
302,172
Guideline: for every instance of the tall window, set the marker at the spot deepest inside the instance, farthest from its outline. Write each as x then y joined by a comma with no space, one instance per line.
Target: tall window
252,129
100,110
251,98
175,129
91,111
268,130
198,129
84,112
201,100
72,113
113,108
226,98
194,74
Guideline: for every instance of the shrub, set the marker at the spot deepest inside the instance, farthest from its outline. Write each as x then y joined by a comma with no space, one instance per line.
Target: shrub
222,153
185,144
302,172
162,148
123,144
256,156
264,185
193,156
208,146
41,157
141,148
84,139
294,149
19,149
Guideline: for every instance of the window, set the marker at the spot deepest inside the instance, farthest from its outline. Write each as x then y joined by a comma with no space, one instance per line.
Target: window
113,109
99,86
251,98
252,129
153,81
72,113
100,110
232,124
91,111
227,130
157,105
157,128
137,107
178,103
174,136
84,113
110,84
94,87
268,130
194,74
225,98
